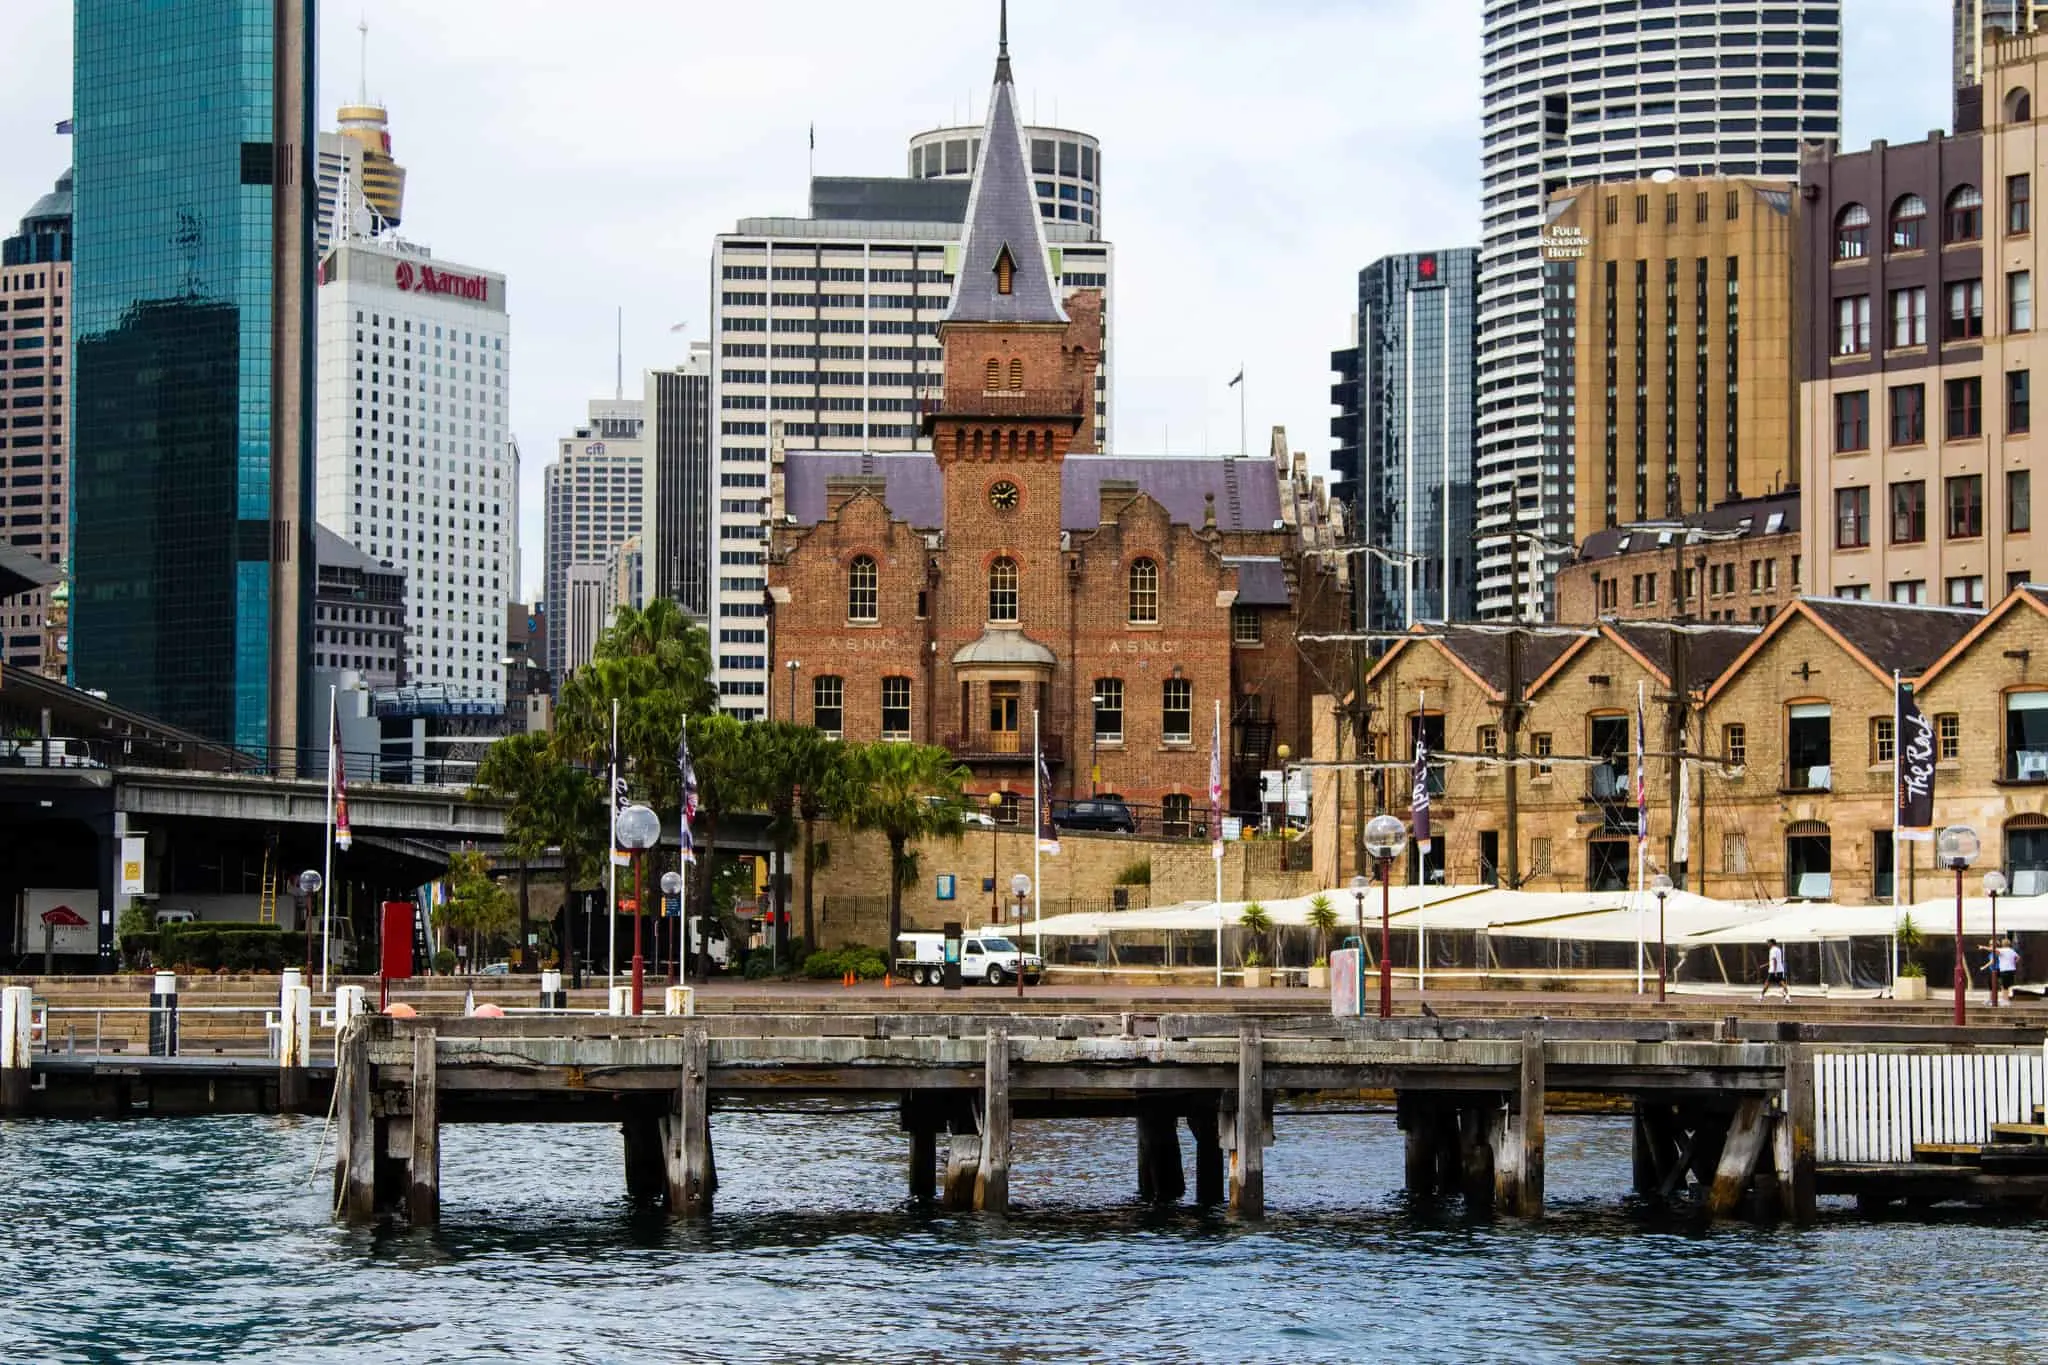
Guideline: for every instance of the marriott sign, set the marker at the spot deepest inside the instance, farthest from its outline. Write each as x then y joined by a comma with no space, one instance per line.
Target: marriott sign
418,279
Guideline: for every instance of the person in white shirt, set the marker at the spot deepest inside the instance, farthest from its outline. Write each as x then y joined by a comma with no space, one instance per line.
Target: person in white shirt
1774,973
2008,960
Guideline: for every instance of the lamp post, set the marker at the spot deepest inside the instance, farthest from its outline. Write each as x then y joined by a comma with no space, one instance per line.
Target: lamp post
639,830
1956,848
995,832
1281,752
1994,887
792,665
672,885
1358,885
1385,837
1661,884
1020,887
310,882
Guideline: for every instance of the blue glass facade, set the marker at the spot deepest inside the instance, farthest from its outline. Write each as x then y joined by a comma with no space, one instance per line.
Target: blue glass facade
1404,439
192,387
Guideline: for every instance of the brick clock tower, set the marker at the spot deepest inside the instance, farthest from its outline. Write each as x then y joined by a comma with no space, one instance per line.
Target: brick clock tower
947,597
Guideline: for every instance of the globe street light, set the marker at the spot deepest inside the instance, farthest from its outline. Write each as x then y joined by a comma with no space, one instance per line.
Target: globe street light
1358,885
639,830
1282,753
1994,887
1956,848
310,882
995,803
1385,837
1662,885
1020,887
672,885
793,665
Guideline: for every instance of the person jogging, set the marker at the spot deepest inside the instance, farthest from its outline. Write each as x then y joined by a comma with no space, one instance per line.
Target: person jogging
2007,959
1774,973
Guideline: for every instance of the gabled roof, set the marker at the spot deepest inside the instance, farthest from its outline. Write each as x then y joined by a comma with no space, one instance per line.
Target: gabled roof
1482,656
2025,597
1002,218
22,572
1885,637
1712,649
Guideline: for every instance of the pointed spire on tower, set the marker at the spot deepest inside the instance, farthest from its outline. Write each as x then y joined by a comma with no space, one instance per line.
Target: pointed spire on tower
1005,271
1003,45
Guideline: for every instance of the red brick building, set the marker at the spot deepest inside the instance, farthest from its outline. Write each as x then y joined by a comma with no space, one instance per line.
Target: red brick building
943,597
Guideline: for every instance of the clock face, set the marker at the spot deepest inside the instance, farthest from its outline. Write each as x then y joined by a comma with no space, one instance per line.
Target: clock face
1003,496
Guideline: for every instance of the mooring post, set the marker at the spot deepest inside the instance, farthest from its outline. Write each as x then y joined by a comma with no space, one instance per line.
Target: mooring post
356,1147
992,1180
1795,1137
1161,1179
163,1015
688,1132
16,1006
1746,1135
1248,1163
294,1040
423,1186
1530,1203
1203,1124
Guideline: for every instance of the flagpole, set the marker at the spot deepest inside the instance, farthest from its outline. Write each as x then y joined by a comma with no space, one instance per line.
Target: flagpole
1243,443
1216,834
1642,839
1898,758
327,864
1037,844
1421,853
611,858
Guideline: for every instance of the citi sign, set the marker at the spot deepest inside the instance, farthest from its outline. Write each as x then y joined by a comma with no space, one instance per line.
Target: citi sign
427,280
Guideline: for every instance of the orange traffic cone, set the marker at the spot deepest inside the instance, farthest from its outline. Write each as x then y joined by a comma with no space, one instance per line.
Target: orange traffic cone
888,980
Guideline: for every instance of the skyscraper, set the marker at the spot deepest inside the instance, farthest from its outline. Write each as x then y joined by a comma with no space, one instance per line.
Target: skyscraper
1573,96
596,490
1976,20
35,297
678,530
193,504
1405,463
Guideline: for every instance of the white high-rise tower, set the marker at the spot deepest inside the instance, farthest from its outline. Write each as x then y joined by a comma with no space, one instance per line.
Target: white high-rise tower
1572,95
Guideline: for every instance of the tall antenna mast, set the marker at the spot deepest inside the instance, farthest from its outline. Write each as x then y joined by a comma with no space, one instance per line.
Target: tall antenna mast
619,382
363,62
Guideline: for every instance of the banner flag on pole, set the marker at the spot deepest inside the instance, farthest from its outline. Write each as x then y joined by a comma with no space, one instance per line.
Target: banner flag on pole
1048,836
617,782
1216,787
337,780
1418,797
1913,767
1681,831
688,771
1642,786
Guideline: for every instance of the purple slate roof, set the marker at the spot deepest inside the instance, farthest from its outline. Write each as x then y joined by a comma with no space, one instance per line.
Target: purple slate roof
1261,581
1247,491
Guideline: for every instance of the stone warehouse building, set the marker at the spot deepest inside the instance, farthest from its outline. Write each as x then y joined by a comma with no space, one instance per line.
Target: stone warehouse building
1790,731
945,596
1735,562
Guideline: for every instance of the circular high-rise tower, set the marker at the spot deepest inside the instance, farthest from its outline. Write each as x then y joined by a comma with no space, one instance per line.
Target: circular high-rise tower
1066,168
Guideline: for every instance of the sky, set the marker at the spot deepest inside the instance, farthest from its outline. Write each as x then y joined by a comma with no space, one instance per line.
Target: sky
1255,158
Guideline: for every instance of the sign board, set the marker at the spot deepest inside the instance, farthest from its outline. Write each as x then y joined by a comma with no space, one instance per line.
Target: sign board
947,884
395,959
1562,243
68,917
1233,828
132,846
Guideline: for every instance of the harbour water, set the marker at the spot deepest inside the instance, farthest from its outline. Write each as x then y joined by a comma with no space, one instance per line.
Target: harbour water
205,1240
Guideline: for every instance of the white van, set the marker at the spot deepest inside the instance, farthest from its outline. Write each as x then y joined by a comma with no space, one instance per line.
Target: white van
54,752
164,917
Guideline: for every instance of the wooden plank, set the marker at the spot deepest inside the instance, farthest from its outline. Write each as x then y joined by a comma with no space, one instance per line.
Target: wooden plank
1899,1136
423,1185
1248,1160
1746,1137
1529,1126
992,1180
359,1193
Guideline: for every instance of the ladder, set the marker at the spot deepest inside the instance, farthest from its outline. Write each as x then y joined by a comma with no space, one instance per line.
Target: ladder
266,906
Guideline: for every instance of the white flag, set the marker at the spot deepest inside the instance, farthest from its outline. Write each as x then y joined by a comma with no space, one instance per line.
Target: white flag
1681,831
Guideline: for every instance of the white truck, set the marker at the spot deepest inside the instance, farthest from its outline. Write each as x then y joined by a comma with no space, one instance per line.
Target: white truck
985,956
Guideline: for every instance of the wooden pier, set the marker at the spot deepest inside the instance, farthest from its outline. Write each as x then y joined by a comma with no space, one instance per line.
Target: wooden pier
1470,1098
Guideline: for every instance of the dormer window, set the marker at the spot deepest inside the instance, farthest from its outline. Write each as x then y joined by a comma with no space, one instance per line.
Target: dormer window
1006,270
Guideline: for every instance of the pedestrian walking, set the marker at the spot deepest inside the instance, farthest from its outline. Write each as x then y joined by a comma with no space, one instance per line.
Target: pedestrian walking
1774,973
2008,969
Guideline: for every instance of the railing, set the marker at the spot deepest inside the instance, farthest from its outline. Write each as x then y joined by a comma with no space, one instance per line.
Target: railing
1003,745
1009,403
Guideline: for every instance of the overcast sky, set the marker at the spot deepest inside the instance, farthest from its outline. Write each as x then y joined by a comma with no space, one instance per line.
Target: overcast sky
1256,156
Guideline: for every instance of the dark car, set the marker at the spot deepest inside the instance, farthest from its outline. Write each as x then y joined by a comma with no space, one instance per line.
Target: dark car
1106,813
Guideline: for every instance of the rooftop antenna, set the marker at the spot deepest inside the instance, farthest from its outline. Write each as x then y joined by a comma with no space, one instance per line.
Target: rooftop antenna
619,382
363,61
1003,44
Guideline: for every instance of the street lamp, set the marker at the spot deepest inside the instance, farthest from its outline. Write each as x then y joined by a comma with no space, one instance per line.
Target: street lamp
1662,885
1358,885
639,830
995,834
1385,837
1020,887
1281,752
1956,848
792,665
672,885
1994,887
310,882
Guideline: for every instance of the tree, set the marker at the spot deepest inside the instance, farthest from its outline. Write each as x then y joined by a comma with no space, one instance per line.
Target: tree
476,904
729,778
1256,922
657,665
1322,917
905,792
520,769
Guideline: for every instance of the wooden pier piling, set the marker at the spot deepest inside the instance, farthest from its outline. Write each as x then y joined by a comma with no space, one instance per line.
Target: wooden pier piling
646,1170
1248,1163
1204,1128
1161,1178
423,1182
992,1179
687,1133
1530,1127
356,1150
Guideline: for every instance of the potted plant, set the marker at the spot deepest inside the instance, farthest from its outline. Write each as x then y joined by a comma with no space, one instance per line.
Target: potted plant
1255,921
1322,917
1912,982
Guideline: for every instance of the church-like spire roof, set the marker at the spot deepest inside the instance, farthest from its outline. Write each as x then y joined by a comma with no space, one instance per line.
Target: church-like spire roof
1005,273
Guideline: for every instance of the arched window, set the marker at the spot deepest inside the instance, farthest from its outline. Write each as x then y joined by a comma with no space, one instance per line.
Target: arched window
994,378
1909,223
1017,374
1031,443
1965,215
1852,233
1143,606
1809,861
1002,590
862,583
977,441
2026,855
2019,105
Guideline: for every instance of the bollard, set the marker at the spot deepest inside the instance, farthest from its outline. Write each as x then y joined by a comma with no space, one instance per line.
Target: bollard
294,1039
552,996
350,1002
622,1000
679,1000
163,1015
16,1004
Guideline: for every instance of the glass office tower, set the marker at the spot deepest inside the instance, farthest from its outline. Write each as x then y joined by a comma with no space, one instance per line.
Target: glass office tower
193,384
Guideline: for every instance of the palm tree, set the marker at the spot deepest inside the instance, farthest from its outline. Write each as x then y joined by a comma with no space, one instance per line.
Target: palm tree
728,779
817,768
906,792
1322,917
1256,922
518,769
